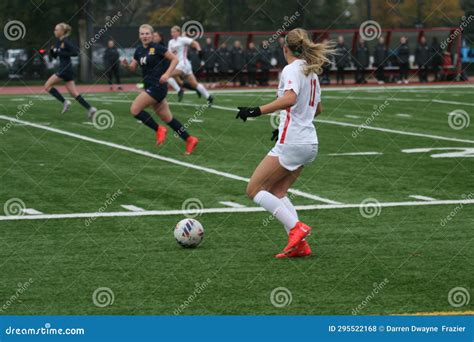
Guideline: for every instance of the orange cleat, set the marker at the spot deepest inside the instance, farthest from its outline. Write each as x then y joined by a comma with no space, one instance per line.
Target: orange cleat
191,144
296,235
161,135
301,250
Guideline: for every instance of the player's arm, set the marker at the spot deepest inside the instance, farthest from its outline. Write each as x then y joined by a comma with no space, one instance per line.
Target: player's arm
173,63
195,44
132,66
287,100
319,109
70,50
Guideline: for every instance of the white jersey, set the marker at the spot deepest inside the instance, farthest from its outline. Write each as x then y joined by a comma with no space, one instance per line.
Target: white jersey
179,47
296,122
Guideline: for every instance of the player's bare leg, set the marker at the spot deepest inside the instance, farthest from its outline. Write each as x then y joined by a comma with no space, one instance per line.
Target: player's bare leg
49,87
142,101
71,88
162,109
271,176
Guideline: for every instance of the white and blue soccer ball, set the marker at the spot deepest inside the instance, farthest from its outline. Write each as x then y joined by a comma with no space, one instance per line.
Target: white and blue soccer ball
189,233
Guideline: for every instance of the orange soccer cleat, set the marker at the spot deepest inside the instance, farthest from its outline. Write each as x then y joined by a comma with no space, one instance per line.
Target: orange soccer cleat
301,250
191,144
161,135
297,233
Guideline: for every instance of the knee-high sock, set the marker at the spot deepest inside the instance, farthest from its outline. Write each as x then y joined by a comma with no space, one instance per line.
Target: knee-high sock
276,207
286,201
200,88
147,120
83,102
179,129
53,91
172,82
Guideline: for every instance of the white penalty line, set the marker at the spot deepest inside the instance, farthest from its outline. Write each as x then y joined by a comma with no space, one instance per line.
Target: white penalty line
156,156
230,210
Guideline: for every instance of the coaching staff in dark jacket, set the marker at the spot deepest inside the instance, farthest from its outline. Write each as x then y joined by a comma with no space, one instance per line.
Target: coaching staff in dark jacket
251,58
341,58
209,58
361,61
380,60
238,63
112,63
403,56
422,59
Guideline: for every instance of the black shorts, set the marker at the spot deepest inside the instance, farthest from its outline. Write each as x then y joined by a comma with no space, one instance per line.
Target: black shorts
158,92
66,74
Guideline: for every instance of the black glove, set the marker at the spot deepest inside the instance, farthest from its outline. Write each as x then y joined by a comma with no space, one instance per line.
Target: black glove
275,135
246,112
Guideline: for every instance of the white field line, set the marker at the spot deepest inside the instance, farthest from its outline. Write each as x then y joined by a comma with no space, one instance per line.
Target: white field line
388,130
397,99
131,207
232,204
356,154
31,211
230,210
422,198
156,156
403,115
347,124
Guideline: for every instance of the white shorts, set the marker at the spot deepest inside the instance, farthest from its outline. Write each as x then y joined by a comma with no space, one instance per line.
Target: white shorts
185,68
292,156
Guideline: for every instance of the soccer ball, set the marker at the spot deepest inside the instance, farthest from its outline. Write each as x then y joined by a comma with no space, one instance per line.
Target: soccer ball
189,233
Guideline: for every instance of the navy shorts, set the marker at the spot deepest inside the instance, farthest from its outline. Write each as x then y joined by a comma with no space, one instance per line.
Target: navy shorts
158,92
66,74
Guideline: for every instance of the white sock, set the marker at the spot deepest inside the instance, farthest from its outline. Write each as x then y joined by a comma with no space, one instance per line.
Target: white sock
200,88
276,207
172,82
286,201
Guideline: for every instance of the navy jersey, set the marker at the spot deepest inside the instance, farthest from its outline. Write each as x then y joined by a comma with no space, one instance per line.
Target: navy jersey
152,61
64,49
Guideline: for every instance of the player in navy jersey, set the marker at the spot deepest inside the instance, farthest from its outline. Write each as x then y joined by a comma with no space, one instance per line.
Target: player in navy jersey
157,64
64,49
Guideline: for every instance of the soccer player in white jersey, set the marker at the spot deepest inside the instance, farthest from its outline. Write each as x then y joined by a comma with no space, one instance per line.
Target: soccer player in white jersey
299,101
178,44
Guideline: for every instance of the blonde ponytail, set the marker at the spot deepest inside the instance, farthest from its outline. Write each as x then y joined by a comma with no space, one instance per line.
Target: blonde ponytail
315,54
66,29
